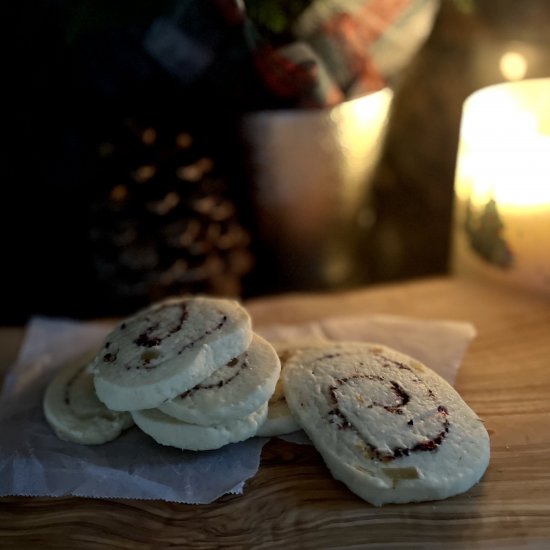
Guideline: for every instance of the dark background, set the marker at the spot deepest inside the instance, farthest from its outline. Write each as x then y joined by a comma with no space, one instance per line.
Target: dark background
66,95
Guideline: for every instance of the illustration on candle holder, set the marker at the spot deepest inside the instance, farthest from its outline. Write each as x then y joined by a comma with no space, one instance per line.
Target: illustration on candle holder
484,229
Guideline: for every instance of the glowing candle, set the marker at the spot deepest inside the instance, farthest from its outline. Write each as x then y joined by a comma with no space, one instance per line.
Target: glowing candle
502,185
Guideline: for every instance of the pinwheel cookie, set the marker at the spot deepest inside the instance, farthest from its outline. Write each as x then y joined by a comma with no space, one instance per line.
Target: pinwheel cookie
387,426
280,419
73,410
234,391
167,430
167,349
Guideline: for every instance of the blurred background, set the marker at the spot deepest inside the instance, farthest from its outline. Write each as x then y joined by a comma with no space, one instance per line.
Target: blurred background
137,168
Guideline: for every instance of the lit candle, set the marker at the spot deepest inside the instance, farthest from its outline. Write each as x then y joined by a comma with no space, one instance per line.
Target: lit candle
502,185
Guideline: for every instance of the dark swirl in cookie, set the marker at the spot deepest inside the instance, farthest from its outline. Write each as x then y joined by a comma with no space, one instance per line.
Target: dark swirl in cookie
369,393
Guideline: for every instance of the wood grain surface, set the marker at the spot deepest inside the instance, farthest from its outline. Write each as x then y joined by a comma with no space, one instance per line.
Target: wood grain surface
293,502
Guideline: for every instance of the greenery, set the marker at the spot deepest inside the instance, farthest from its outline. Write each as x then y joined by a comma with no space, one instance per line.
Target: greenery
275,17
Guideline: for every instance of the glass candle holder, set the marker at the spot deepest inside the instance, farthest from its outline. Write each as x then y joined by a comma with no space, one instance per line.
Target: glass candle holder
502,186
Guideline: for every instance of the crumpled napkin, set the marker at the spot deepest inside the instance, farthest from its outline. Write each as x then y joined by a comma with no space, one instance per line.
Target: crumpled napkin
34,462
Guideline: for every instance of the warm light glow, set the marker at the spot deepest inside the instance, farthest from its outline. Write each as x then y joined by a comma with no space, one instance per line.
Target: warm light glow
513,66
505,145
361,123
502,184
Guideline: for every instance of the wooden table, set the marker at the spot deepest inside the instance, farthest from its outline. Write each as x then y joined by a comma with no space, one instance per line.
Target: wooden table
293,502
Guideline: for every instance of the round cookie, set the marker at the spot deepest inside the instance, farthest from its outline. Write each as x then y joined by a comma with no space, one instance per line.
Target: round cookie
73,410
279,419
233,391
167,430
387,426
168,348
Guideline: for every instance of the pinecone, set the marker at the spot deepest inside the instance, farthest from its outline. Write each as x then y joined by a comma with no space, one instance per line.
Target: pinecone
164,222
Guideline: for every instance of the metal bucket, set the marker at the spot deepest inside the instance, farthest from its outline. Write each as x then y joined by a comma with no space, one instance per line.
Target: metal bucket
310,173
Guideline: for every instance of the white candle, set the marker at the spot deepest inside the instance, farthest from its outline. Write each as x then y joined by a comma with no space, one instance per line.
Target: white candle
502,185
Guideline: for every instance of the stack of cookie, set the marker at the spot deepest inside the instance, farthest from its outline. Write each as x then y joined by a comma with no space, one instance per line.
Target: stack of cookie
189,371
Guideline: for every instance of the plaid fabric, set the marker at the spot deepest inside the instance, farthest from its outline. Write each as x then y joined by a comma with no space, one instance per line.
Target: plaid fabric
333,51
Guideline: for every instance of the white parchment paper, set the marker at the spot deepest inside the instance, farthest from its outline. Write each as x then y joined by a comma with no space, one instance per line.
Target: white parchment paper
438,344
34,462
